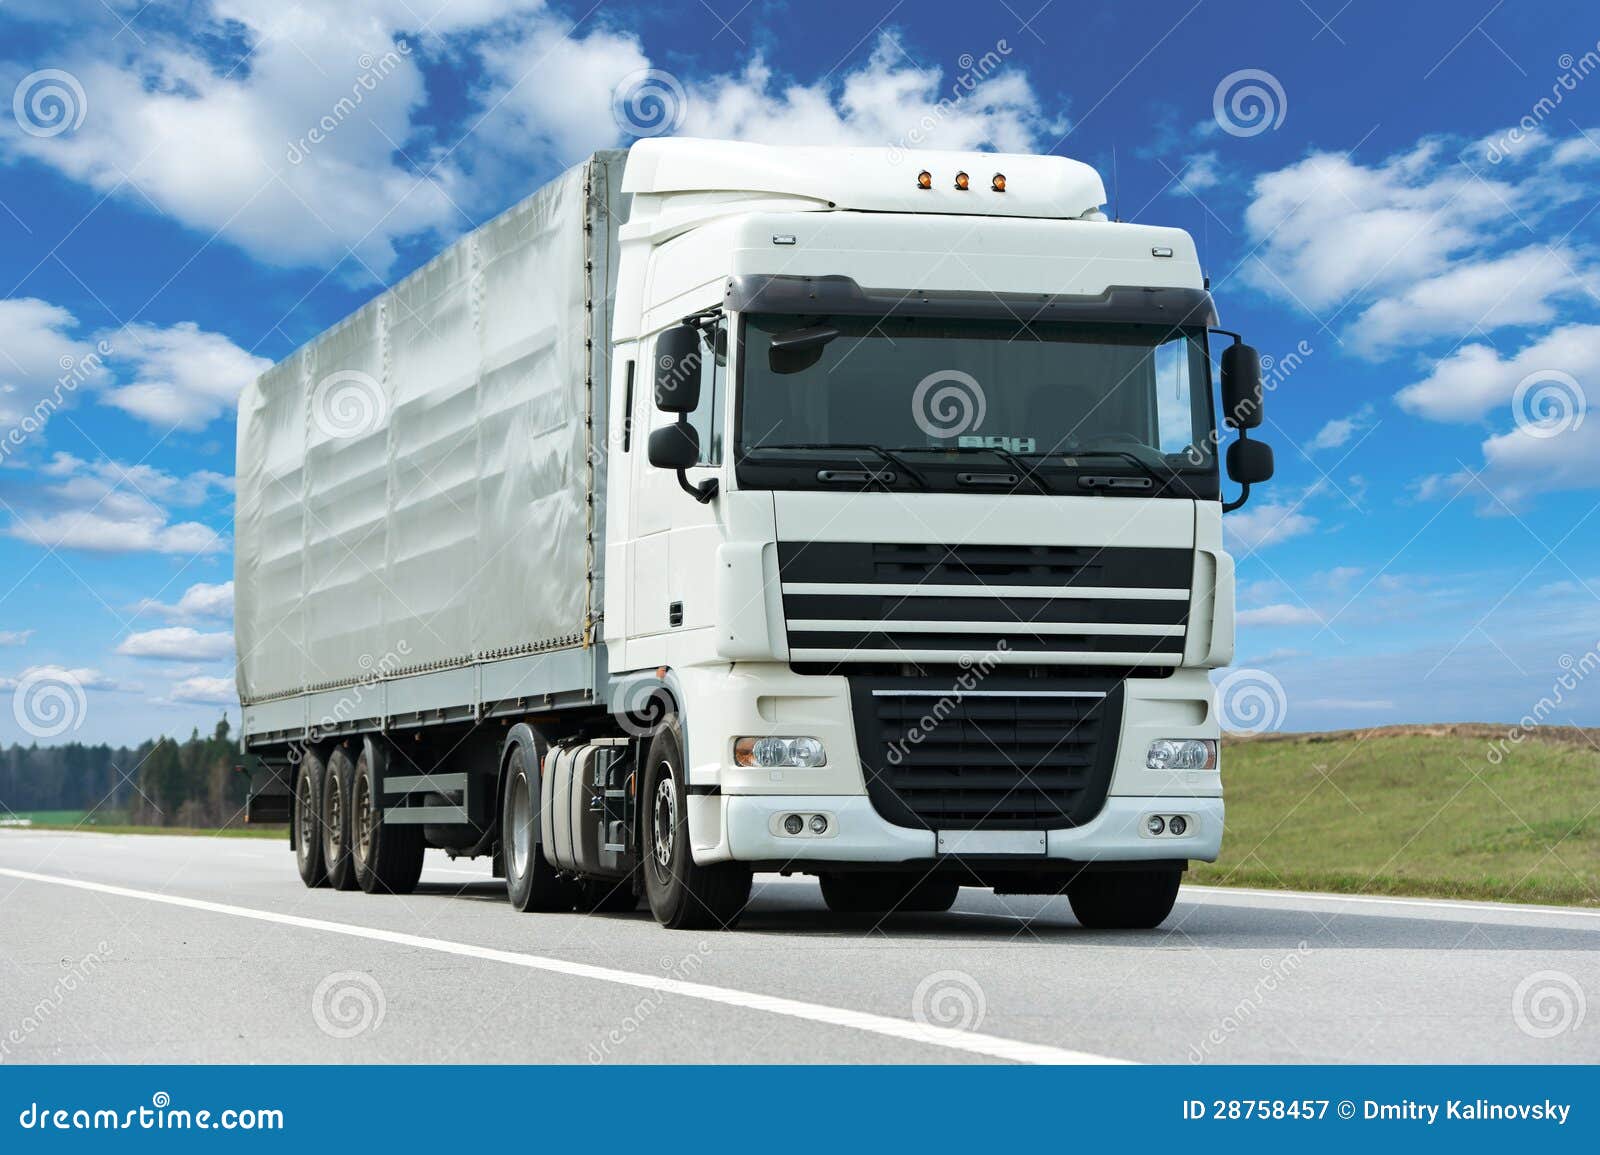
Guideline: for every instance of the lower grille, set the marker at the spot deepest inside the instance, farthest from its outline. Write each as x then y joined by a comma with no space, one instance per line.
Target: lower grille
986,759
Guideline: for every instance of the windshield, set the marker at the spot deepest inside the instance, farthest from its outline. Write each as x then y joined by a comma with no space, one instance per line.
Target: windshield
1030,390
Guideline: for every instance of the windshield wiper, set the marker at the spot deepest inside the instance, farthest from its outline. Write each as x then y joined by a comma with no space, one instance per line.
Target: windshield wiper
1132,458
888,455
1005,455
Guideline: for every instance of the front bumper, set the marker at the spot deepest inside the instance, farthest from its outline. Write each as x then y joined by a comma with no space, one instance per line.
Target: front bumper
858,834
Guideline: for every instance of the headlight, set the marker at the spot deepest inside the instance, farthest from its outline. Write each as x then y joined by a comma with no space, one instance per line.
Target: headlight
779,753
1182,754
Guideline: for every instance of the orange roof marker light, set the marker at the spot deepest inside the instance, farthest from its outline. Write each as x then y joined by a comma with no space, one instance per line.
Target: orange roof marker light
999,182
924,179
963,182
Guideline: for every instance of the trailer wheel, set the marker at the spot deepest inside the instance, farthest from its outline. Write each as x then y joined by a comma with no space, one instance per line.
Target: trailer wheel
387,856
682,895
532,884
1124,899
887,893
337,782
308,857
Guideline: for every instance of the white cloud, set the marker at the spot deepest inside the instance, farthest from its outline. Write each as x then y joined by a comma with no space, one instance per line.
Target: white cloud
1281,614
1584,149
85,677
177,643
1257,526
15,637
37,350
1416,240
1201,171
205,691
183,377
110,507
887,100
1338,432
1476,379
201,600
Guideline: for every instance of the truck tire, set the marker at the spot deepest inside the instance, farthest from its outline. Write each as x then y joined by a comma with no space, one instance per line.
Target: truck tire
1124,899
337,782
387,856
682,895
888,893
532,884
308,857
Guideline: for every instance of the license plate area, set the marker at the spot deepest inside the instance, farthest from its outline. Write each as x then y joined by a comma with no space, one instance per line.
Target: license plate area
1023,843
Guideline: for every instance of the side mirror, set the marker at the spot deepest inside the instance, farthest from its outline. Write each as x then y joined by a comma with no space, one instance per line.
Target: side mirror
1241,387
678,357
677,446
1249,462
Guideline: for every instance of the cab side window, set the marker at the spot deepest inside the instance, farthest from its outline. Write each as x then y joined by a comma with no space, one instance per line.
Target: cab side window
707,416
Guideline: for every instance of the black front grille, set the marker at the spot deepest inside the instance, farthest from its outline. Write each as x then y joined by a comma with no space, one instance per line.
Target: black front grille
1037,755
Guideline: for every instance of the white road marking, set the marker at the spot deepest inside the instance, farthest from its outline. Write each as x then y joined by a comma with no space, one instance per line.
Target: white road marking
1225,892
970,1042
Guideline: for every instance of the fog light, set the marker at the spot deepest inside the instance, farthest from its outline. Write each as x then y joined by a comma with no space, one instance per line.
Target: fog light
1182,754
819,824
793,824
1155,824
779,753
1178,826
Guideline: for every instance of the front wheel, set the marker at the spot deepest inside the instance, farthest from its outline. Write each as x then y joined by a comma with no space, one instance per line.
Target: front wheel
682,894
1124,899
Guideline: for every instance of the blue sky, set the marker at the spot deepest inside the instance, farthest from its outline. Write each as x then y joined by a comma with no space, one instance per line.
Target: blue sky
1399,208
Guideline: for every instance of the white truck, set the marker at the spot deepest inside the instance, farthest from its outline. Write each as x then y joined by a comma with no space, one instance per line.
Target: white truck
723,509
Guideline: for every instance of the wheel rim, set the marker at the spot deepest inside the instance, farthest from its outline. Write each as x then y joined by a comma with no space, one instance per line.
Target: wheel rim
305,818
361,817
521,840
332,834
664,821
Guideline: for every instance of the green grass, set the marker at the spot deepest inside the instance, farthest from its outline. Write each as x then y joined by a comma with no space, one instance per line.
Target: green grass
1414,811
116,822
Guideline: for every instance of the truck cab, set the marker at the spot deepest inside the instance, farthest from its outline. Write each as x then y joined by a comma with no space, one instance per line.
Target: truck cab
914,524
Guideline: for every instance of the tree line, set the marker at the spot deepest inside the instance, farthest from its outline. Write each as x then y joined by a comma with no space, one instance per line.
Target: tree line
160,782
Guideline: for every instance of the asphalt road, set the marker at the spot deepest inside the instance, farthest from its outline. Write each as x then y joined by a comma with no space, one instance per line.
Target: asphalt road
143,949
